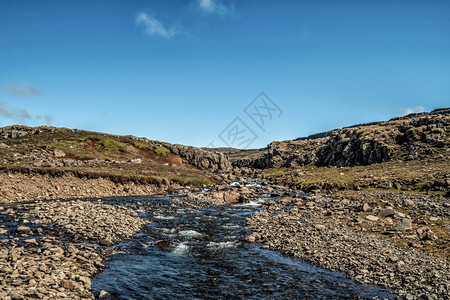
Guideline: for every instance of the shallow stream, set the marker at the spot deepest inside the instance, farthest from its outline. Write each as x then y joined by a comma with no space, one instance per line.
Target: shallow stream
189,253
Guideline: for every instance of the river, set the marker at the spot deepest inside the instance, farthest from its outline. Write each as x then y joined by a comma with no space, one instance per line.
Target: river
192,253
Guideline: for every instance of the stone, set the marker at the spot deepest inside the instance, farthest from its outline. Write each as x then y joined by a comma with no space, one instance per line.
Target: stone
365,207
16,296
425,233
319,226
23,229
163,244
231,197
30,241
251,239
103,294
387,212
404,224
285,200
400,215
59,153
408,202
70,284
372,218
393,258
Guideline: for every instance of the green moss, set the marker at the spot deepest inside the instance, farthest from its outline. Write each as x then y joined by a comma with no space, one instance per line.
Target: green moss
160,150
111,145
72,148
142,146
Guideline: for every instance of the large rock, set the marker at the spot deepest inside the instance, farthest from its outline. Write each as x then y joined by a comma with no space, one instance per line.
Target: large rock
23,229
59,153
201,159
231,197
403,225
387,212
425,233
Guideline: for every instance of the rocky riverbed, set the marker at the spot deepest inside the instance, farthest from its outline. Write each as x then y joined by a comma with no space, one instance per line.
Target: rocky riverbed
50,250
365,237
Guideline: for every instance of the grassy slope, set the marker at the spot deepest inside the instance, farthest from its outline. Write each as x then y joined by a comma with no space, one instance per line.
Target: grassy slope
83,146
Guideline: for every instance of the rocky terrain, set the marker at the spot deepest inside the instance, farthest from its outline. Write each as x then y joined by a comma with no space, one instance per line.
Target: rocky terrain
396,240
42,255
370,241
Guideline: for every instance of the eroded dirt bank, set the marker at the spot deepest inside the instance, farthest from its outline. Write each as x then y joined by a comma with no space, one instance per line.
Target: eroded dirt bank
18,186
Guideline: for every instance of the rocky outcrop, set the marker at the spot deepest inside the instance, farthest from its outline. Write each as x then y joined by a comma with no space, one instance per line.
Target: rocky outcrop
285,154
350,147
411,137
204,160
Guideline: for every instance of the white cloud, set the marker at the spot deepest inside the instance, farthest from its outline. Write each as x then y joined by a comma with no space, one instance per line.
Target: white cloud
412,110
17,114
153,27
20,115
22,90
211,6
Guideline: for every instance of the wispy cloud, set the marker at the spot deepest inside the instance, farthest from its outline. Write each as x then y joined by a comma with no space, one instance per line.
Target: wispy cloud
20,115
212,6
17,114
153,27
412,110
22,90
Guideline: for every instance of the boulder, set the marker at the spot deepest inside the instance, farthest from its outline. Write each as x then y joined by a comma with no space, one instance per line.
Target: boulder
231,197
425,233
387,212
59,153
403,225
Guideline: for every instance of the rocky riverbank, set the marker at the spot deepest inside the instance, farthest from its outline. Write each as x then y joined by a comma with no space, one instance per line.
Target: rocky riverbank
50,250
382,239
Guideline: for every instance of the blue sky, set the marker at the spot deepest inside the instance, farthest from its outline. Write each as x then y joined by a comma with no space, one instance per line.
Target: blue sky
182,71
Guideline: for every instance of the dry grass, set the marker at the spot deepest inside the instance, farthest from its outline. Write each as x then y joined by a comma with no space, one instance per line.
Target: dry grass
410,175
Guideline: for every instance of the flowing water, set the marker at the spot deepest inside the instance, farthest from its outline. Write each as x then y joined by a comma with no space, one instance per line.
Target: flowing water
207,257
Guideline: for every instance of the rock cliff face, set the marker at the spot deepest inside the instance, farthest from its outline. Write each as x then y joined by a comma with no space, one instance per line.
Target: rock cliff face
410,137
204,160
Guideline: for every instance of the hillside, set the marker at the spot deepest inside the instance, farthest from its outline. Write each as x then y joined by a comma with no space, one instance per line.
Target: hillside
121,159
409,153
